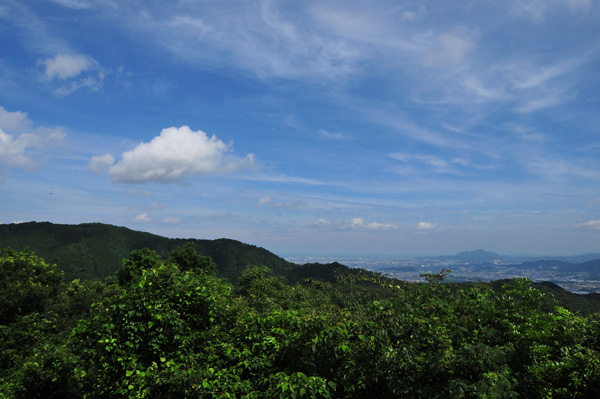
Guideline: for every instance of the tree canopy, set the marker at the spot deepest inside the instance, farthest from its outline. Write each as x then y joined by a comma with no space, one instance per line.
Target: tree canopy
171,328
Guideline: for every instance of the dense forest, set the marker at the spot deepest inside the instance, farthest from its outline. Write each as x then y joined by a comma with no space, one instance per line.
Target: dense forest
170,327
95,250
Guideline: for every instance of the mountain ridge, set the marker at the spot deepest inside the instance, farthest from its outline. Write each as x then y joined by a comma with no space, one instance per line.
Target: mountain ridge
96,250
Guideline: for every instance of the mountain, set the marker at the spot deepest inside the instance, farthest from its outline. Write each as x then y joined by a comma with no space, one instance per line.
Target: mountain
476,256
96,250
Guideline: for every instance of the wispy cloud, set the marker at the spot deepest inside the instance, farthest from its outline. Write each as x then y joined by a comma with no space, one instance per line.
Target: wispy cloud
332,135
85,4
356,223
538,9
436,164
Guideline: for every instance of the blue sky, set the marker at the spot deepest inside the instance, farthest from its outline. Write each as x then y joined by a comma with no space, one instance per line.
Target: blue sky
308,128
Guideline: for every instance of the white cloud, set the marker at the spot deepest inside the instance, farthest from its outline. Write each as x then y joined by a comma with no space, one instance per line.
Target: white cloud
142,218
425,226
591,225
15,121
173,155
100,163
264,200
380,226
357,222
74,72
322,222
67,66
16,150
360,223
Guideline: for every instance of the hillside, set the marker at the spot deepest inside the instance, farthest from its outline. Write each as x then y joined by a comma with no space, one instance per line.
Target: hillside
96,250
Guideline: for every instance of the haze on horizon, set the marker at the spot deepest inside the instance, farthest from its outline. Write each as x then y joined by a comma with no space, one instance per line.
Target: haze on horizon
308,128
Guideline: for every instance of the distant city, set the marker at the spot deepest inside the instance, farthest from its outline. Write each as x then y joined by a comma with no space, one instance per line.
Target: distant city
579,274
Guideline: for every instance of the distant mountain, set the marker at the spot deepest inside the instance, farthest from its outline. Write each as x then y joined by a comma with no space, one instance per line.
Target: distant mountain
592,267
96,250
546,264
589,263
476,256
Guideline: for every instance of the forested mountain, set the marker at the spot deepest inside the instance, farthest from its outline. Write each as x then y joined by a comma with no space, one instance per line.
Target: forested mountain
96,250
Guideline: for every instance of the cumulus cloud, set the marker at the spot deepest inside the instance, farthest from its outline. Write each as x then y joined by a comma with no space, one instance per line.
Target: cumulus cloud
591,225
142,218
15,121
425,226
63,66
173,155
73,72
17,149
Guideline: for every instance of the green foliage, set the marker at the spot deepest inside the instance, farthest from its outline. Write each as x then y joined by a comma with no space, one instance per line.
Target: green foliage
145,341
27,282
135,264
173,329
187,259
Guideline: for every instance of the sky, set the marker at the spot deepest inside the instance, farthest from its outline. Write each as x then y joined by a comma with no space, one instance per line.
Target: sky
309,128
